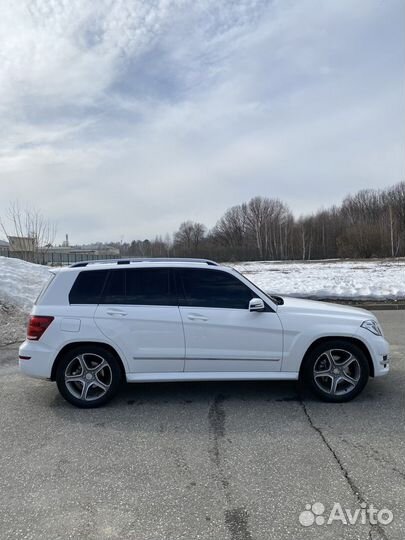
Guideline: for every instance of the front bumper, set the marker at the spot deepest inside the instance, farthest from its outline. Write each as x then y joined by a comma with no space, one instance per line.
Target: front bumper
379,349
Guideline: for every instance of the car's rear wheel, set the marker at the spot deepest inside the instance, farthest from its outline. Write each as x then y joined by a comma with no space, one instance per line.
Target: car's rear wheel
336,371
88,376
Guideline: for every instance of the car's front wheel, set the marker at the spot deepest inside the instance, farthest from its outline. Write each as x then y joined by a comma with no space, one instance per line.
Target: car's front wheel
336,370
88,376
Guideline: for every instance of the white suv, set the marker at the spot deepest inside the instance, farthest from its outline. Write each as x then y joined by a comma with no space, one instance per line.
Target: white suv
98,323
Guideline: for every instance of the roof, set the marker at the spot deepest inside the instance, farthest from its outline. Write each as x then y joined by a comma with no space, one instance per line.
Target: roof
147,261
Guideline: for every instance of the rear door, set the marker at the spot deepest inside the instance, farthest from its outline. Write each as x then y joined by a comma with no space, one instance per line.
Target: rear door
221,333
139,312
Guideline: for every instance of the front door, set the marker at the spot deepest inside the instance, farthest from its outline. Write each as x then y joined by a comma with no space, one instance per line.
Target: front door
221,333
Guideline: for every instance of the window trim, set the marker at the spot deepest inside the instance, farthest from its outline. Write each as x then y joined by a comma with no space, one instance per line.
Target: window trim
176,288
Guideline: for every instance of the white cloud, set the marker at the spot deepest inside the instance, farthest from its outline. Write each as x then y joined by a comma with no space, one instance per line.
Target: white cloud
129,117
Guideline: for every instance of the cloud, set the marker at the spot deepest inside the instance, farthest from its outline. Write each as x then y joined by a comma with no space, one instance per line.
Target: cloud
129,117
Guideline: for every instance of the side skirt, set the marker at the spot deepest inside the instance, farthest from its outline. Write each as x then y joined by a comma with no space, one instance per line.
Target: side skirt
213,376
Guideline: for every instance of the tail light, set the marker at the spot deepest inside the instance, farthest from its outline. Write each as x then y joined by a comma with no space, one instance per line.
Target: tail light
37,325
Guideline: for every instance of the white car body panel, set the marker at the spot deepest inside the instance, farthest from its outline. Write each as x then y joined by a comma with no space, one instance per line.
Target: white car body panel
305,321
151,337
44,352
162,343
231,340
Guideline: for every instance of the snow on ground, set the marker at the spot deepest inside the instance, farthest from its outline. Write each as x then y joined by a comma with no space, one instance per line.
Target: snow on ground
13,324
335,279
21,282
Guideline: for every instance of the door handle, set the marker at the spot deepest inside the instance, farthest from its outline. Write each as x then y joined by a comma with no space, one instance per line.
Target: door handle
117,313
193,317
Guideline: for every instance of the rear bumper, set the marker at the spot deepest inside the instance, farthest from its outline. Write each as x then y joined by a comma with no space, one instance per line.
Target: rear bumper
35,359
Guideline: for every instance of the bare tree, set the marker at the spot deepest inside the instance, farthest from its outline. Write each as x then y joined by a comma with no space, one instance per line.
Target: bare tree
370,223
267,219
29,233
231,229
189,237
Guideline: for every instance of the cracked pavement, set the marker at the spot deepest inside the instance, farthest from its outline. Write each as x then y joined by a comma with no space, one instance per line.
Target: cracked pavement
232,461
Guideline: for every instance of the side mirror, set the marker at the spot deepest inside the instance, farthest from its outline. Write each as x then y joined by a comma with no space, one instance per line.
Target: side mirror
256,304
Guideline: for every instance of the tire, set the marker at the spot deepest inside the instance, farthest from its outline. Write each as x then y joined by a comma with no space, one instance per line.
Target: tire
336,371
88,376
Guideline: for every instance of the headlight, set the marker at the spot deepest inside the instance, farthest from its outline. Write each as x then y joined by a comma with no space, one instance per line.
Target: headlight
372,326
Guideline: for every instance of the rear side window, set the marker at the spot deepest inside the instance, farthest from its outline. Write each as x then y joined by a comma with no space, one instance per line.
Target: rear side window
114,292
140,286
88,287
148,287
213,288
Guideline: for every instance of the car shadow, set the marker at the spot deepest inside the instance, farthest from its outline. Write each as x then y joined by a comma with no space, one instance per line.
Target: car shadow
205,391
184,406
147,402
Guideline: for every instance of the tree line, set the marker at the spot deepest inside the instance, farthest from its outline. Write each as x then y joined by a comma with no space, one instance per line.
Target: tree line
370,223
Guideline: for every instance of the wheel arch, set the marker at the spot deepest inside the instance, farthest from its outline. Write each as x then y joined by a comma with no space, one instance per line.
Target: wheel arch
349,339
73,345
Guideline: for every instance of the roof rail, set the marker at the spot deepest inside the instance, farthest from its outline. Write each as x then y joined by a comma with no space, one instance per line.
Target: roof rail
142,259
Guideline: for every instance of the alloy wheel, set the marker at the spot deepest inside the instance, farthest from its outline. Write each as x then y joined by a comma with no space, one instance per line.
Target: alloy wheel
88,376
336,372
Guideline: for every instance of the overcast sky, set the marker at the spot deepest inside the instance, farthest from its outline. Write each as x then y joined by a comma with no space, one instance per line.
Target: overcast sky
120,119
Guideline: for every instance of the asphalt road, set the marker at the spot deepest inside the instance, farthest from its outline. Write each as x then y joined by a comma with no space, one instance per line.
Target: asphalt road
235,461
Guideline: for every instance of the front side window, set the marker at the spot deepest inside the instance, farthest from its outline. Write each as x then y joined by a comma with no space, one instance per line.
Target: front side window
139,286
213,288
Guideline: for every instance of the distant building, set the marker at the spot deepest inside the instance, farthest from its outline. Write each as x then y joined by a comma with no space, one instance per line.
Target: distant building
65,243
4,248
22,243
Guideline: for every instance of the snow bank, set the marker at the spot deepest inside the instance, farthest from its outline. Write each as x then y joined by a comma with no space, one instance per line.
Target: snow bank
13,324
21,282
336,279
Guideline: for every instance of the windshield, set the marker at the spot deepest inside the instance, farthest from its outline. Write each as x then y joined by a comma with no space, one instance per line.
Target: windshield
275,299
